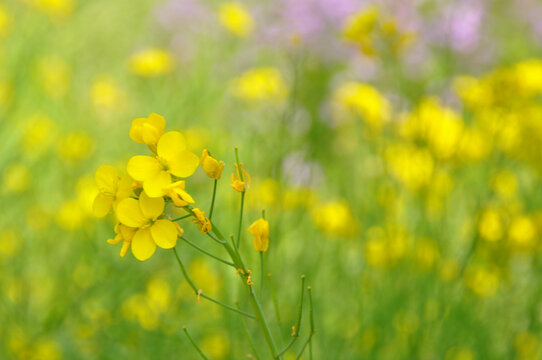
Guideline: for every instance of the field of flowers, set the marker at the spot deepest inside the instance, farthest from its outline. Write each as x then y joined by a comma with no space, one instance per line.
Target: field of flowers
289,179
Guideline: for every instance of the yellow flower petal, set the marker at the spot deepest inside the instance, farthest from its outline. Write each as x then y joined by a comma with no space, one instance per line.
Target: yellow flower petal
127,232
142,244
170,143
183,164
129,213
151,207
164,233
106,179
143,167
154,186
147,130
102,205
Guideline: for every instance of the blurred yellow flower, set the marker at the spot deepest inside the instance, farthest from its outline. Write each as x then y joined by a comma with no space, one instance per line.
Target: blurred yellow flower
529,76
482,281
522,232
241,180
236,19
112,189
360,28
211,166
427,253
440,127
55,75
335,218
5,21
11,242
260,230
204,224
151,62
490,226
177,193
411,165
171,160
148,130
527,345
70,215
364,101
505,184
39,132
260,84
216,346
57,9
105,93
17,178
143,214
75,146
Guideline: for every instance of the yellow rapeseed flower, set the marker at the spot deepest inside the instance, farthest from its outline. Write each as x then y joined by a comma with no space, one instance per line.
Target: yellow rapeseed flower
55,75
236,19
151,62
148,130
39,132
260,84
57,9
260,230
360,29
335,218
240,182
143,215
172,160
177,193
211,166
112,189
204,224
124,234
105,93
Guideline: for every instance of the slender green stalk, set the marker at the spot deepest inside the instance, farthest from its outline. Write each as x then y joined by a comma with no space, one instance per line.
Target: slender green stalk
206,252
297,326
261,273
240,172
309,339
201,353
274,297
213,200
238,261
201,294
247,334
240,219
182,217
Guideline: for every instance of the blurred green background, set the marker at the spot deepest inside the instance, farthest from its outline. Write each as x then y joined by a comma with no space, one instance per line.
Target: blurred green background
396,147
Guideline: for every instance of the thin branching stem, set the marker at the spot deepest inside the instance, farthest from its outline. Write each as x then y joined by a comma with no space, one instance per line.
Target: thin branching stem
309,339
200,352
182,217
213,201
200,293
207,252
297,326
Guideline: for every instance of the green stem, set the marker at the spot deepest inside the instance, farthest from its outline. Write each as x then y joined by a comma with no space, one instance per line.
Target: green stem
202,354
240,219
247,334
261,273
200,293
213,200
274,297
206,252
182,217
309,339
297,326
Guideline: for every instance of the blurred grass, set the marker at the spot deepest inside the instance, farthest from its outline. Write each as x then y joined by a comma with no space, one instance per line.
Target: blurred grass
384,196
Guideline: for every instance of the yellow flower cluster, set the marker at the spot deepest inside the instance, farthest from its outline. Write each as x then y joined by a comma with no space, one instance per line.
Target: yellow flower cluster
138,198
